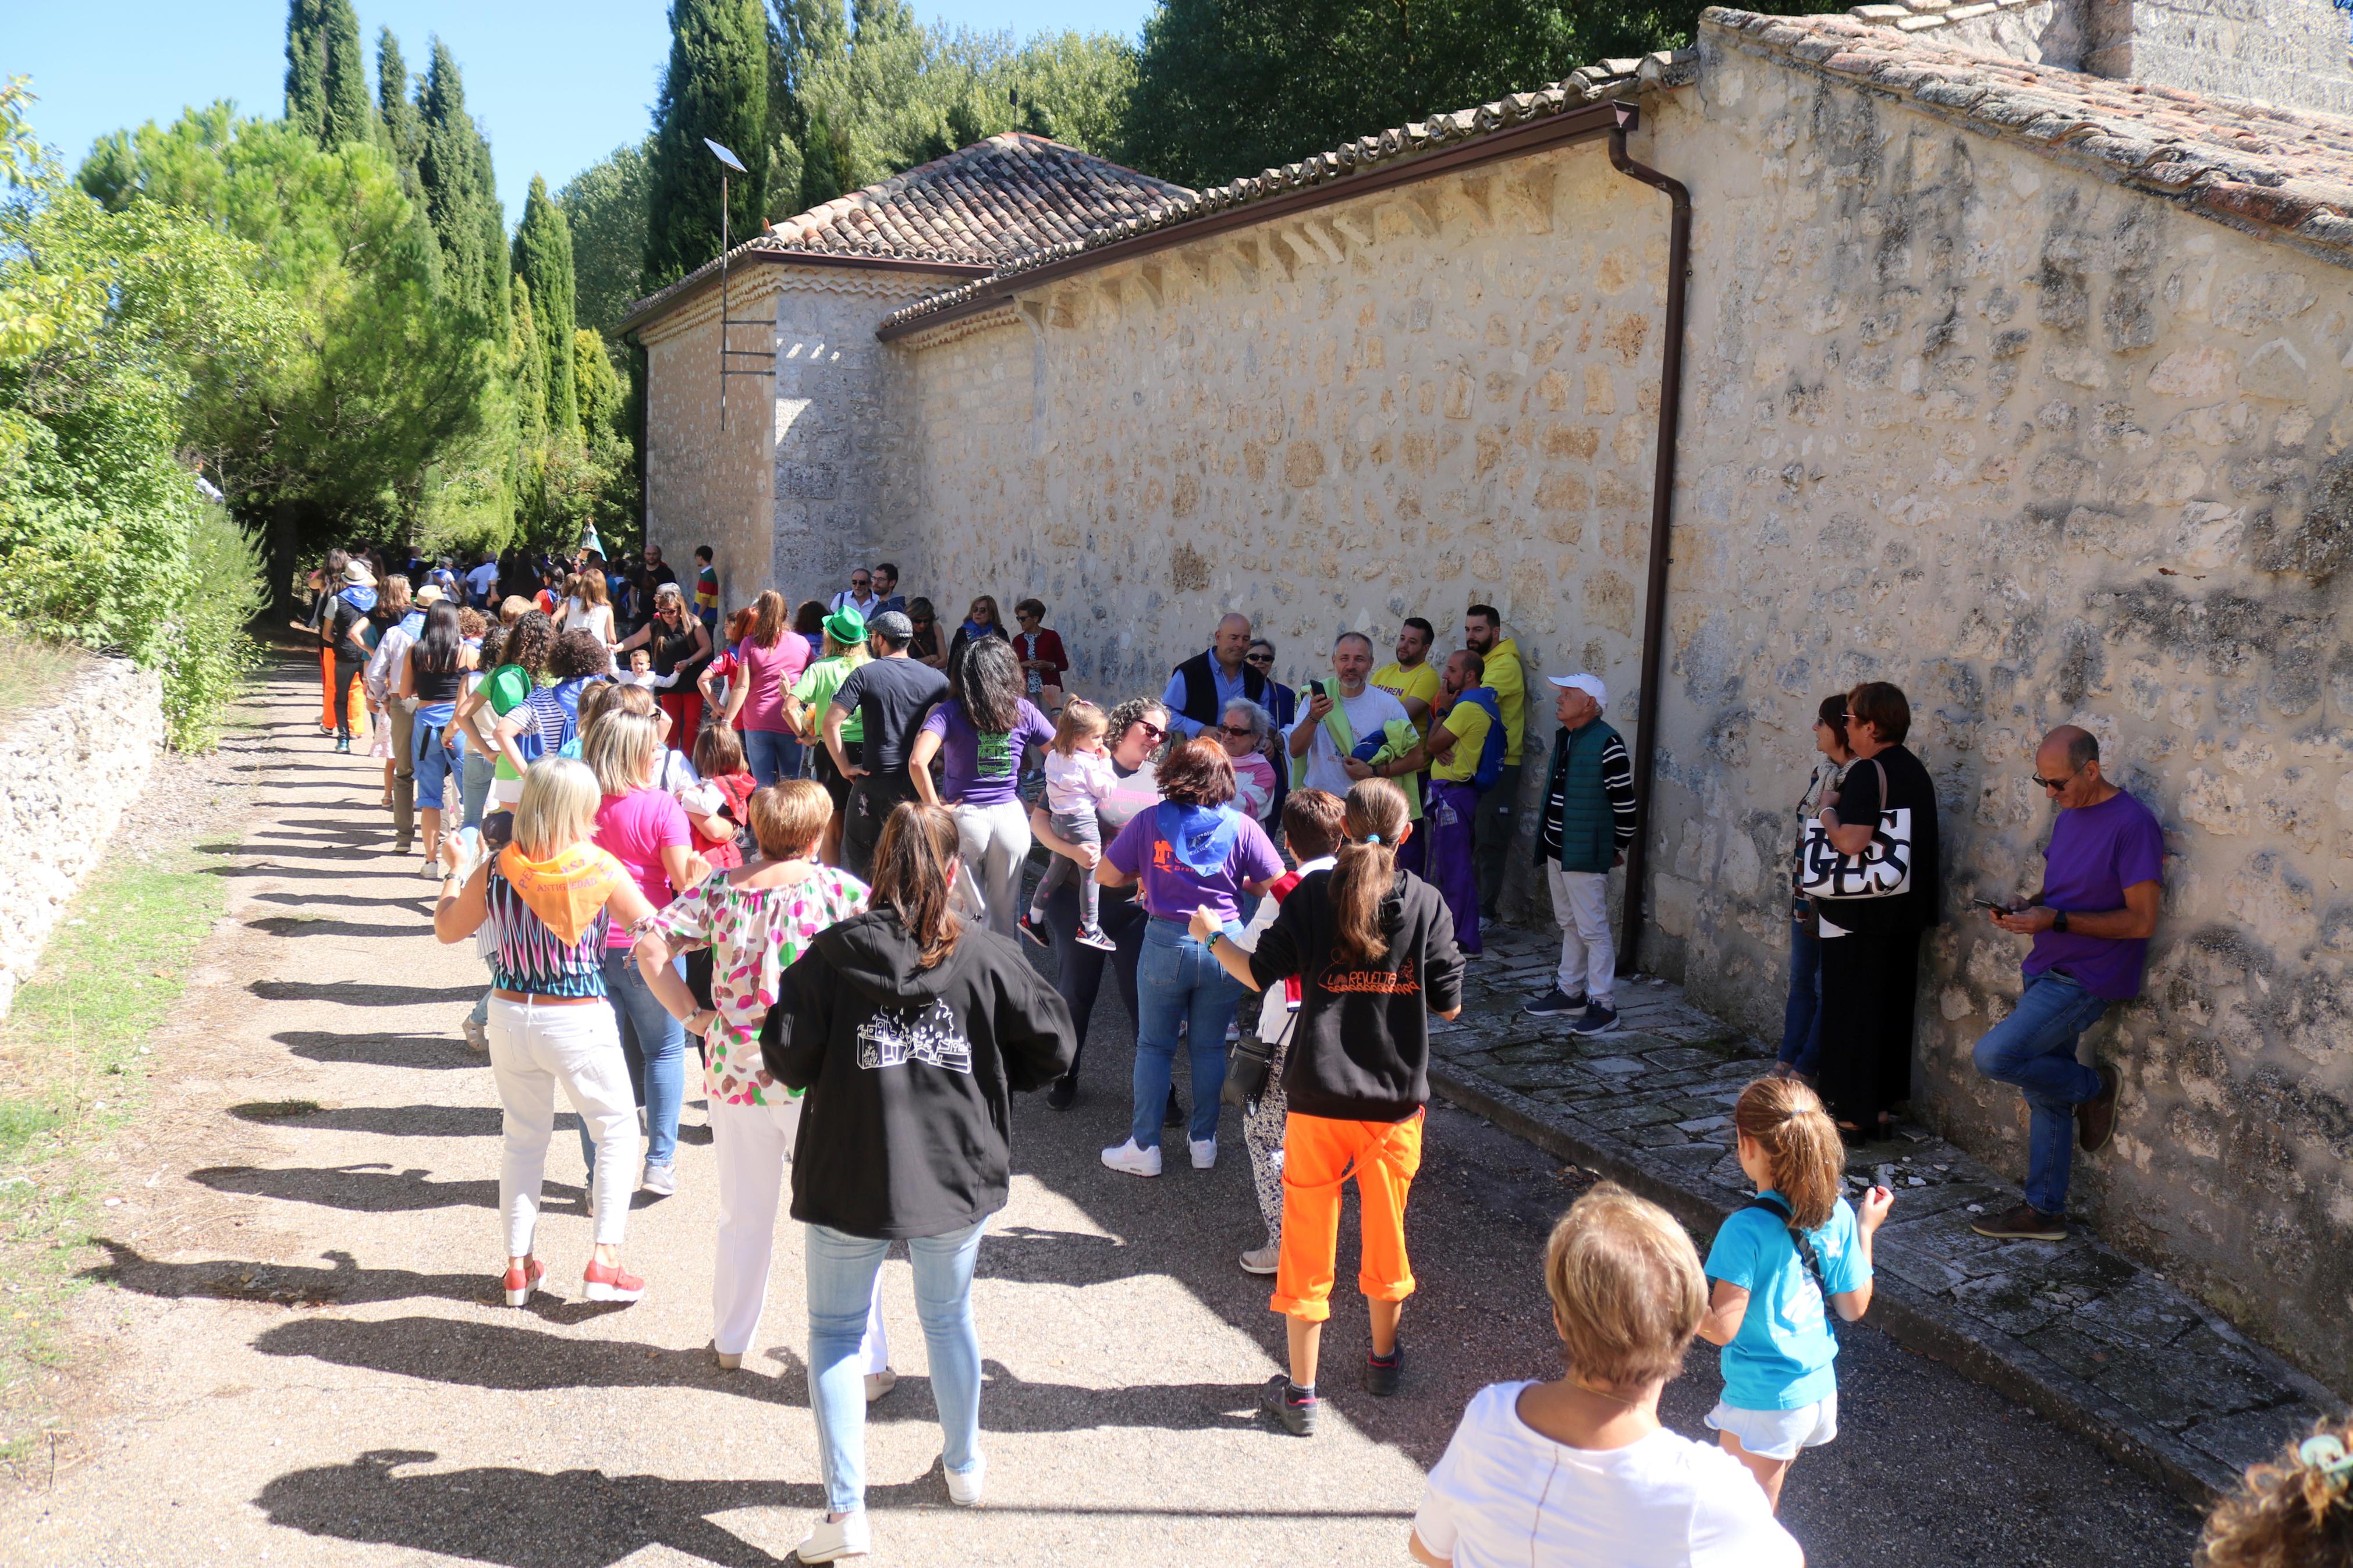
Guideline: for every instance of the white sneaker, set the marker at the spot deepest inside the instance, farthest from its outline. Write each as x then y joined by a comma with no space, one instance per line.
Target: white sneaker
1205,1153
879,1384
662,1180
1135,1161
1262,1259
831,1540
964,1491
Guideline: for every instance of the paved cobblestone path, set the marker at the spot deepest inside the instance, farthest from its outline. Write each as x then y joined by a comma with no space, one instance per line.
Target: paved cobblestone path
296,1358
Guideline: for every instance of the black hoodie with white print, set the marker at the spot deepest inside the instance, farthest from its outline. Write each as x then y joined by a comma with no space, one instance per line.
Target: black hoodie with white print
907,1127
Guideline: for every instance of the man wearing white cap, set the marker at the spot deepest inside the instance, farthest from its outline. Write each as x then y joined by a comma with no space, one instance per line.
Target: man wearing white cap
1588,820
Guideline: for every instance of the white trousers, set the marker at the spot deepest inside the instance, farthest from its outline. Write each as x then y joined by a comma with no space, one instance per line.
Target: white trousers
1588,958
754,1144
994,841
533,1049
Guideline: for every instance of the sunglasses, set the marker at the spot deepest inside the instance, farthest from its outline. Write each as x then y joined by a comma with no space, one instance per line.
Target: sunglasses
1154,730
2056,784
1239,733
1261,659
923,620
861,582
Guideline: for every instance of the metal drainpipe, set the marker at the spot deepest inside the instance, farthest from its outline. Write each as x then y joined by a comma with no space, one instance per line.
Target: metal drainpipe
1663,489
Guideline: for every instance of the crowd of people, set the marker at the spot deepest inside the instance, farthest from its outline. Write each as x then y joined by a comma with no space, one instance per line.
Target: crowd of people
798,843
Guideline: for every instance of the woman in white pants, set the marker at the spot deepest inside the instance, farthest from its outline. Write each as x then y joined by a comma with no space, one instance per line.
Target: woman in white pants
756,919
548,900
983,736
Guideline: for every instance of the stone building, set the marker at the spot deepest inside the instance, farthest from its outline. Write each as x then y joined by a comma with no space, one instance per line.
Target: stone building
2022,387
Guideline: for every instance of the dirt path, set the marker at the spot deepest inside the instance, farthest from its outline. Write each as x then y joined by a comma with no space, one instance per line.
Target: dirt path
302,1362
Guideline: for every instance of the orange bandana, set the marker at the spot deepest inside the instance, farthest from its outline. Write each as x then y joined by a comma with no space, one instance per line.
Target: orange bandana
567,892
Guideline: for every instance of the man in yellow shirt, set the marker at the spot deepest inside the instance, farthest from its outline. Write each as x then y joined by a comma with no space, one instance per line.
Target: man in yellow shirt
1410,677
1453,752
1482,634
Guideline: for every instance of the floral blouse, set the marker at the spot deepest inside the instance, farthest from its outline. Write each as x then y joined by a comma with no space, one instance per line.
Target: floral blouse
752,933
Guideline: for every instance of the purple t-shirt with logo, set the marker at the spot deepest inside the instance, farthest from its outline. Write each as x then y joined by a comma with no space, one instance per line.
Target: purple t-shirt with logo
983,770
2097,852
1171,889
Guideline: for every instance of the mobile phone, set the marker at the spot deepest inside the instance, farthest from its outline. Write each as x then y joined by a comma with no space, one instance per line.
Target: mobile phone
1990,904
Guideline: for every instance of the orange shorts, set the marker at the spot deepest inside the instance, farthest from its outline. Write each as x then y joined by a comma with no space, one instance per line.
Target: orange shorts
1319,1155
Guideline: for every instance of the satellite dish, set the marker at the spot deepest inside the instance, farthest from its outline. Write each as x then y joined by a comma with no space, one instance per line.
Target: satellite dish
724,156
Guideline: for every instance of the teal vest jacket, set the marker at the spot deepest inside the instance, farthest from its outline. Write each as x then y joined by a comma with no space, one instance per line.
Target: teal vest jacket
1588,829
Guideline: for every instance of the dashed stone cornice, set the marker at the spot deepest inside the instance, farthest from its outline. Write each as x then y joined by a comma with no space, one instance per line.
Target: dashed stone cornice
2278,174
1613,78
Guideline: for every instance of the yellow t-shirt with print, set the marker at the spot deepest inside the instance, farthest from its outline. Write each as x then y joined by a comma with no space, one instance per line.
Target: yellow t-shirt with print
1504,679
1468,723
1419,682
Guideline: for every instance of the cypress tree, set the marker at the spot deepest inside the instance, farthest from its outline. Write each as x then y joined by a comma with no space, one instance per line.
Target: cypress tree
821,161
716,86
401,133
326,73
460,194
543,264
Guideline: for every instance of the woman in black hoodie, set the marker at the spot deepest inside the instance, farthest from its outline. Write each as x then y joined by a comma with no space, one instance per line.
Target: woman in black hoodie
910,1030
1374,949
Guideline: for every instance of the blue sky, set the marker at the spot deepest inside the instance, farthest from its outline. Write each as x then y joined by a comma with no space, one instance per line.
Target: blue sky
556,83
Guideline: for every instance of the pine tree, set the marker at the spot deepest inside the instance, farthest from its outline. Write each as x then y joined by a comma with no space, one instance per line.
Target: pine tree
716,86
326,74
461,195
543,264
821,160
605,207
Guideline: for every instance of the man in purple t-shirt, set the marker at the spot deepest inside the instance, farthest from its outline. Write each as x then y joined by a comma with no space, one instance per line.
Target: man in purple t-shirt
2091,925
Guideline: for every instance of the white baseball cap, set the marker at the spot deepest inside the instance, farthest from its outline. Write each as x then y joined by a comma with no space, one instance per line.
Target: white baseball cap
1588,684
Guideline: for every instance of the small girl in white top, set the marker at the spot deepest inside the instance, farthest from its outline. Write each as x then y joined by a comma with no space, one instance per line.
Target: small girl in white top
1078,776
1579,1473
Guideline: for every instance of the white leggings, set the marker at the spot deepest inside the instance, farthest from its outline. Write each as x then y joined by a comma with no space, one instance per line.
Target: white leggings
534,1046
755,1144
995,841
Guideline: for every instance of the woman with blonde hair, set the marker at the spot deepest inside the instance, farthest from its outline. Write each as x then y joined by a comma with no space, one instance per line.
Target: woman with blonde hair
910,1031
588,602
756,921
548,901
1372,947
680,645
1579,1471
643,827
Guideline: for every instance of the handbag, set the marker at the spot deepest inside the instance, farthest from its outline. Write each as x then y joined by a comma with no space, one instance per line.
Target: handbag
1248,1061
1883,870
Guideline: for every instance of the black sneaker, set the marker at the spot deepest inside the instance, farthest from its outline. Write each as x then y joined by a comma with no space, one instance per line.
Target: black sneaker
1298,1417
1382,1381
1030,929
1063,1091
1554,1004
1598,1020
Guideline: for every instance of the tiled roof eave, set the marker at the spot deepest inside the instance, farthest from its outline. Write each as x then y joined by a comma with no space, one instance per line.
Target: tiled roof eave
2277,174
1596,83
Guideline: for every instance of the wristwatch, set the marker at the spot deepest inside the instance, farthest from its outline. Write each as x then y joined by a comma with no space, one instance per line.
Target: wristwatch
2059,921
1211,941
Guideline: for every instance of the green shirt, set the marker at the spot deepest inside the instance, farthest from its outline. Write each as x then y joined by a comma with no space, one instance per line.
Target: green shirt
816,688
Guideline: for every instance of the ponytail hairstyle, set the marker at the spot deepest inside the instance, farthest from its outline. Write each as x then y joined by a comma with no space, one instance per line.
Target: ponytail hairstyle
1786,1119
1080,719
912,862
768,619
1374,823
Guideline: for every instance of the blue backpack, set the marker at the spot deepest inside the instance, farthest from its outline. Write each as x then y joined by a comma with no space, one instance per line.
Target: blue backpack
1491,755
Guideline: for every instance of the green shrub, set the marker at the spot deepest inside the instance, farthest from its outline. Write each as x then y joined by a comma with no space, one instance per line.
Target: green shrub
206,663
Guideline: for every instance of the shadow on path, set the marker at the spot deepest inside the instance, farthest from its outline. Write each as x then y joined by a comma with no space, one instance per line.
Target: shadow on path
361,993
373,1189
342,1283
382,1050
394,1120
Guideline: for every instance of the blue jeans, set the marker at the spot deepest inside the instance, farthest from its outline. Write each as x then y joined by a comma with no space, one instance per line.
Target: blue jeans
2034,1050
773,755
474,786
655,1045
841,1270
1802,1020
1177,978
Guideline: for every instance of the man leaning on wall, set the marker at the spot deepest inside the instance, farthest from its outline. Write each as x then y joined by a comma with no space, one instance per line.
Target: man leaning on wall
2091,925
1482,634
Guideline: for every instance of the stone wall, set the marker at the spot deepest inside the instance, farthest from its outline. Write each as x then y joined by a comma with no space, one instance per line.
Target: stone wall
705,484
2296,52
2038,447
72,764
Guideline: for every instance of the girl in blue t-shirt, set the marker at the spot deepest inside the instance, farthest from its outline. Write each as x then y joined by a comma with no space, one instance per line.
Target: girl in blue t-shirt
1776,1269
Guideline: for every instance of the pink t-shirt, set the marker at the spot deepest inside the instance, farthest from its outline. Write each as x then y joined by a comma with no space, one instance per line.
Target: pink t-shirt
770,672
634,828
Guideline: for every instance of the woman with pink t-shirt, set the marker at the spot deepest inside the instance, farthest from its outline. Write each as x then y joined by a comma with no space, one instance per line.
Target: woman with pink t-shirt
643,827
769,660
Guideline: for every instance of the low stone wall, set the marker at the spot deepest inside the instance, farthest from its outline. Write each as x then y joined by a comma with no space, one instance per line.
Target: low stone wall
72,764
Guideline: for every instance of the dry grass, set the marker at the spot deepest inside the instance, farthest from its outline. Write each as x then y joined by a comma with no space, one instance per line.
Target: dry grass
32,670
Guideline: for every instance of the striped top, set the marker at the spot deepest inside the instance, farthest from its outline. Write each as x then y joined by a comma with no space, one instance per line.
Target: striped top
526,956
